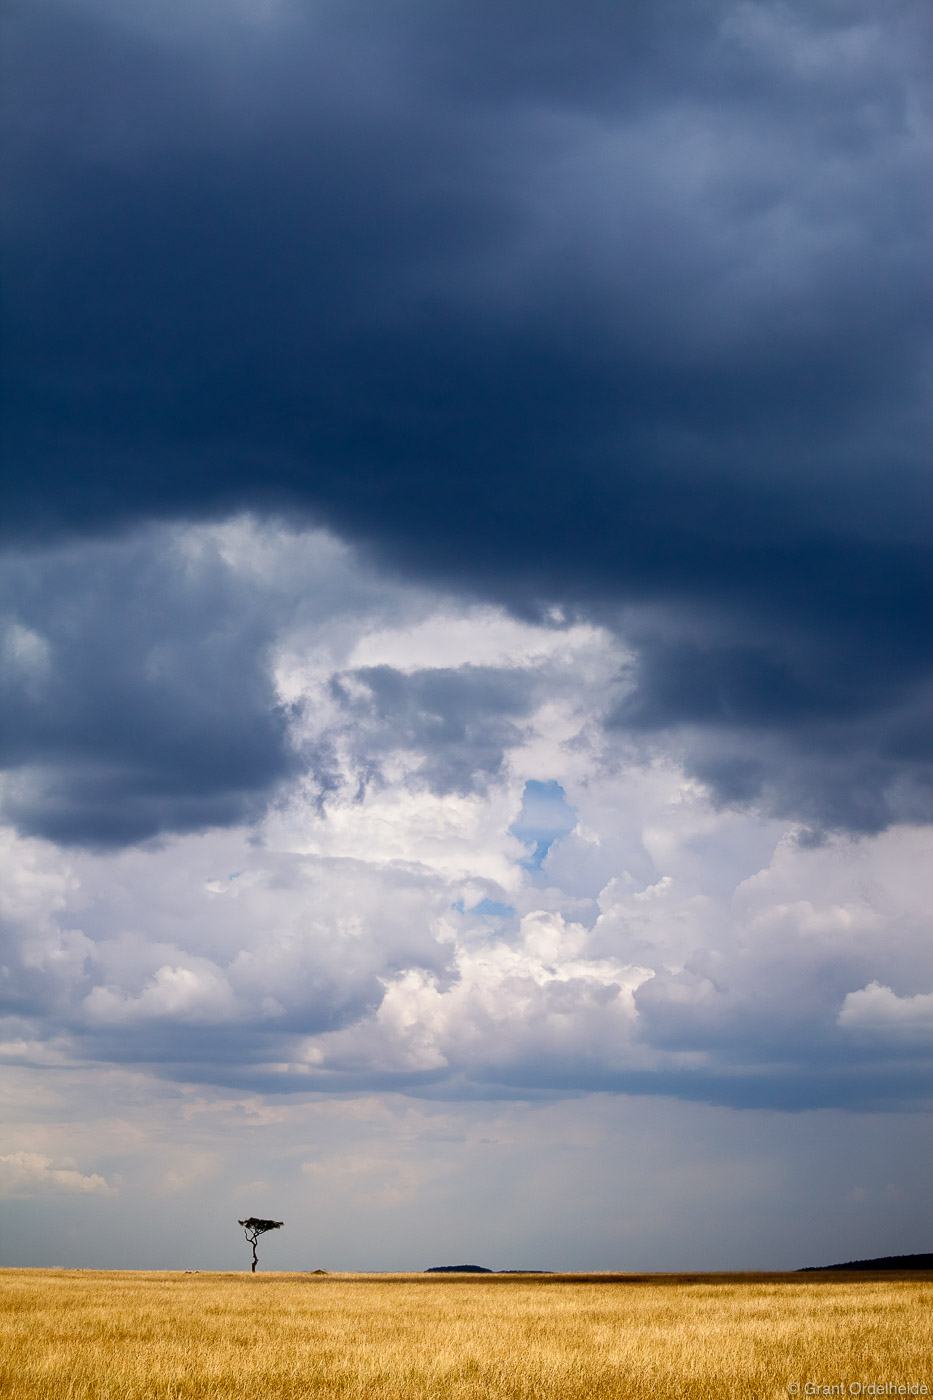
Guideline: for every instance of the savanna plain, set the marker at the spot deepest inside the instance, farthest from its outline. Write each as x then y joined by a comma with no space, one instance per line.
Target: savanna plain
71,1335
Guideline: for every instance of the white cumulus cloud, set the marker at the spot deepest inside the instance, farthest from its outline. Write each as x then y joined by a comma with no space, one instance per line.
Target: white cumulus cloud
32,1174
876,1008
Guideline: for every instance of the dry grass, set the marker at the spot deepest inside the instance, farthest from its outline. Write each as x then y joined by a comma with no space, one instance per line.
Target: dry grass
163,1336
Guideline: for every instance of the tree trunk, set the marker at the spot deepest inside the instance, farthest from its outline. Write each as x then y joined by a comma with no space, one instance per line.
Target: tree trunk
255,1260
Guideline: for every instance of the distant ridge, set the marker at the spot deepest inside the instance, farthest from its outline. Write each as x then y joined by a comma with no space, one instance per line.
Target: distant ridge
478,1269
458,1269
890,1261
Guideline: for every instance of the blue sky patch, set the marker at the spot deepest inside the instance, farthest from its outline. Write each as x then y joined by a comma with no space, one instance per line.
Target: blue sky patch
546,815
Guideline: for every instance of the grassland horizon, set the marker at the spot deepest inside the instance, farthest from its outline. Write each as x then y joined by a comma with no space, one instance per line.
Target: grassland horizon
140,1335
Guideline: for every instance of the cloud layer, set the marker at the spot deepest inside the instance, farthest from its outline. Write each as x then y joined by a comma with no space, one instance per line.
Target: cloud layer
625,319
468,884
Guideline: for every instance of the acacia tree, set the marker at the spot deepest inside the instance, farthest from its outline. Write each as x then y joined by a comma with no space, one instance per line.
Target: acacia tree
253,1228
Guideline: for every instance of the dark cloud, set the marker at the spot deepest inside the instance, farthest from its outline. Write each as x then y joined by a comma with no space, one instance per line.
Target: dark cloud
841,738
136,696
617,308
459,721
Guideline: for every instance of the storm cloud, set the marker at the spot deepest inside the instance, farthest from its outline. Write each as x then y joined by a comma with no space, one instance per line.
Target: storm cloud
135,698
609,312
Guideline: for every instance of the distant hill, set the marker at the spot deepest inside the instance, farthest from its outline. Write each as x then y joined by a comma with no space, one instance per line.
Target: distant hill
890,1261
458,1269
478,1269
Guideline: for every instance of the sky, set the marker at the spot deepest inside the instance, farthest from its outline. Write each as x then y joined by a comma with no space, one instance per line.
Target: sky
465,609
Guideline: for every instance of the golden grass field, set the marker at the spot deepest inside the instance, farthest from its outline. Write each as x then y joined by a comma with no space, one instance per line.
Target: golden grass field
168,1336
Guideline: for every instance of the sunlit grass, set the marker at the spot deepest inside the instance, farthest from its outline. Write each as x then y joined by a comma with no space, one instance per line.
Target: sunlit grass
126,1336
